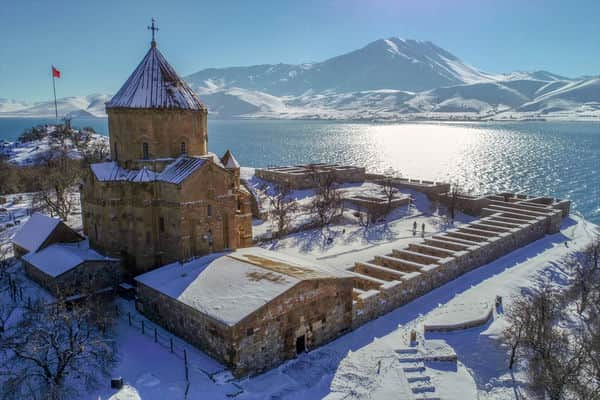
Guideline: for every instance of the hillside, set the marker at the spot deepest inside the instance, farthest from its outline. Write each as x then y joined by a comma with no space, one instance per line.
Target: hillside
387,79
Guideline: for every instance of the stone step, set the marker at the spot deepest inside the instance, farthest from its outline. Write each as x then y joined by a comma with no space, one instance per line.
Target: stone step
399,264
508,220
365,282
489,227
425,248
467,236
441,242
407,350
514,210
494,221
425,388
414,368
418,378
415,256
470,229
522,206
378,272
409,359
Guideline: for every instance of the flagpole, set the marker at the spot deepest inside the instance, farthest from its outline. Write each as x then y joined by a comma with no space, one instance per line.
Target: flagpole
54,90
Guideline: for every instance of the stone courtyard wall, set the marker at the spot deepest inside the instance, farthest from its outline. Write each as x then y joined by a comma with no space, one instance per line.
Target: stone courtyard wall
320,310
303,176
457,257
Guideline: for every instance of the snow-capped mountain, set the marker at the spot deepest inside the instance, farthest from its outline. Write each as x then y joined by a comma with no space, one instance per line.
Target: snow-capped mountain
383,64
77,106
386,79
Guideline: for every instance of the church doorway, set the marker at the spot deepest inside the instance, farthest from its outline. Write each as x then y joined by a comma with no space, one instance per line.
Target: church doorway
300,344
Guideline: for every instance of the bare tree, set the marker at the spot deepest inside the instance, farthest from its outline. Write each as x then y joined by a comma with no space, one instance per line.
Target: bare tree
282,205
327,204
389,192
453,200
561,353
519,319
54,351
586,282
57,178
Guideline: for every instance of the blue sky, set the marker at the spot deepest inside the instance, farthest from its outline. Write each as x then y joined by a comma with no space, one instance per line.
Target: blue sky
96,44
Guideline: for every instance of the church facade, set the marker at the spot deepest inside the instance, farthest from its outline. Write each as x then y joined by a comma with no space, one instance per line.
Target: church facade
163,197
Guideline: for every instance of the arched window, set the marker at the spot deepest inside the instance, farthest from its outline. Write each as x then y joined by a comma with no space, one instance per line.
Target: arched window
183,148
209,210
145,154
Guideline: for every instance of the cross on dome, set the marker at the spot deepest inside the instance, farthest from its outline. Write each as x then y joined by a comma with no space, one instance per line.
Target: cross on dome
153,28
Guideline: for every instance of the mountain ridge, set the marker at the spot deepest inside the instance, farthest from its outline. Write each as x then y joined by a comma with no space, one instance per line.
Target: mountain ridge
389,78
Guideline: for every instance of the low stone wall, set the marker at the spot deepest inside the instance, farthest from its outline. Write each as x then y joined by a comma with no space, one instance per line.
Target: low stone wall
376,205
304,176
409,273
430,188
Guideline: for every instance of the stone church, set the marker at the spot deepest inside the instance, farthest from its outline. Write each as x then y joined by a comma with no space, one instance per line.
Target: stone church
163,197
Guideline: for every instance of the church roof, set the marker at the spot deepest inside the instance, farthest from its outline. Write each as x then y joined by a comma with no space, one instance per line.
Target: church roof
175,172
229,160
155,84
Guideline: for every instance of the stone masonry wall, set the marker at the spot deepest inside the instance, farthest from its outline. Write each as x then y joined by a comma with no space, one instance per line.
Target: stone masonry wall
90,275
456,258
318,309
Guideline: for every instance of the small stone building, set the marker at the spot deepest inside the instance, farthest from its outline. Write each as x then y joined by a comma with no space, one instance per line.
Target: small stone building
250,309
163,197
67,269
41,231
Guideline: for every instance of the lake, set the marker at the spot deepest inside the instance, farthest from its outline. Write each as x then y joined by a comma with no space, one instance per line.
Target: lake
561,159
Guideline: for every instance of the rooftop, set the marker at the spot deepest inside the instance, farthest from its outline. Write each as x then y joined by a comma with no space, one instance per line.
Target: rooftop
175,172
35,231
155,84
59,258
229,287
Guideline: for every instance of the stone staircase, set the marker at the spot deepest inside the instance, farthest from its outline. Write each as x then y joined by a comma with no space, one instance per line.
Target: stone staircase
391,280
413,366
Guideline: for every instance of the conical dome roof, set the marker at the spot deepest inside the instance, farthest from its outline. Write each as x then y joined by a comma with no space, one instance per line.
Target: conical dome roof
155,84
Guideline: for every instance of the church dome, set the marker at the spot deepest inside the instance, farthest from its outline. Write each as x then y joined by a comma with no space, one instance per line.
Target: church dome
155,84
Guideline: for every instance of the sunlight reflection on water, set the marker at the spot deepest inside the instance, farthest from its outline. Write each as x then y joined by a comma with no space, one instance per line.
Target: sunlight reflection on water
559,159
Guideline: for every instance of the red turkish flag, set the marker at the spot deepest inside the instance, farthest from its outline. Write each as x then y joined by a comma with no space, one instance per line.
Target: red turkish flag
55,72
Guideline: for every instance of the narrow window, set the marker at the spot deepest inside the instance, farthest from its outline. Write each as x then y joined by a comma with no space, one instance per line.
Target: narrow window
209,210
145,151
182,147
161,224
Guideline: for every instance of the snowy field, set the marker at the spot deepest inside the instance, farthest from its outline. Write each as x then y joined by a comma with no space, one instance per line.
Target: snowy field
367,363
377,360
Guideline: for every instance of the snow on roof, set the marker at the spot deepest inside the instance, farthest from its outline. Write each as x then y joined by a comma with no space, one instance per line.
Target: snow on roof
230,287
179,170
35,231
155,84
59,258
229,161
175,172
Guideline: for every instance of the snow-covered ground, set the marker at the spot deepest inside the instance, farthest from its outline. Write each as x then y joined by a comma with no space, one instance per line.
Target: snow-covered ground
369,362
377,360
27,153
